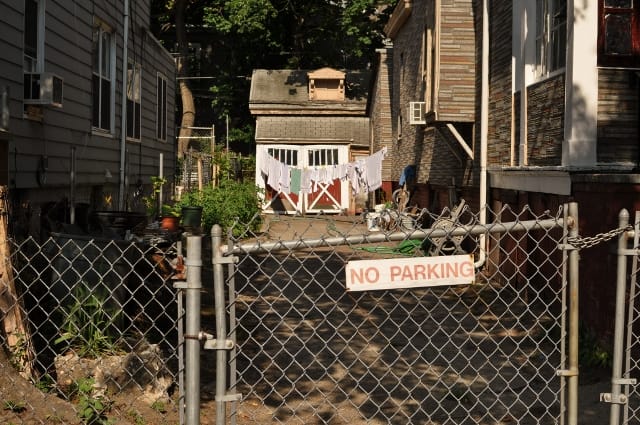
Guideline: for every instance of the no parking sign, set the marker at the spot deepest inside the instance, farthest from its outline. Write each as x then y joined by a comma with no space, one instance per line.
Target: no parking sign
395,273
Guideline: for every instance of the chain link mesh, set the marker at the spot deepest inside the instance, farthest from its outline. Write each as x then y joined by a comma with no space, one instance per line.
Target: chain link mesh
96,336
308,351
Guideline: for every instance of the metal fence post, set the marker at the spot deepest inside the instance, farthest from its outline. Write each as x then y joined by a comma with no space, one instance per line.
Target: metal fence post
221,325
574,284
192,330
618,338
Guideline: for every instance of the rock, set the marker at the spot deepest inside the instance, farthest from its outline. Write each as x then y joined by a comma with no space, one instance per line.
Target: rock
143,370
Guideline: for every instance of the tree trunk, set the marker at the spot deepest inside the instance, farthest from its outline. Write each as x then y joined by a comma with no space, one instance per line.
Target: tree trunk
14,319
188,105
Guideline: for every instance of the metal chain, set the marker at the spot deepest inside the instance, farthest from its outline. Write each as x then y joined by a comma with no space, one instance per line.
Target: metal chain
580,242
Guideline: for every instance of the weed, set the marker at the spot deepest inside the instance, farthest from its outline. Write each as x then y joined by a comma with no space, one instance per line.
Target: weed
55,419
87,323
159,407
14,406
46,383
136,417
92,410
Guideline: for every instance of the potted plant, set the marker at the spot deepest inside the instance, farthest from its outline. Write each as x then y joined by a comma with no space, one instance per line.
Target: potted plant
170,217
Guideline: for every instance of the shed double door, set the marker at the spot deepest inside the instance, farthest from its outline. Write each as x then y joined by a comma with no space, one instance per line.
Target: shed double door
325,197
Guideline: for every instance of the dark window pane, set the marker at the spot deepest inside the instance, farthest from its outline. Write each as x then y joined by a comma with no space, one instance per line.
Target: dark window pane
136,130
105,101
31,28
620,4
130,118
96,101
617,35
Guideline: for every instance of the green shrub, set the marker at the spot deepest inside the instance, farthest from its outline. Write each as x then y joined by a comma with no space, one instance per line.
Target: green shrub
225,205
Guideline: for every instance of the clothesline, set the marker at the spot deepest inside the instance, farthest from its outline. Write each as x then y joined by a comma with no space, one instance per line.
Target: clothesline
364,174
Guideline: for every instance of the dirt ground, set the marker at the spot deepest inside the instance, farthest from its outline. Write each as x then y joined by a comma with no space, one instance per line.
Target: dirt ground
23,403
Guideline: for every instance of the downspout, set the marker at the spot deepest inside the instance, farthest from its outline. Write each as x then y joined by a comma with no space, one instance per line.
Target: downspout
123,118
484,128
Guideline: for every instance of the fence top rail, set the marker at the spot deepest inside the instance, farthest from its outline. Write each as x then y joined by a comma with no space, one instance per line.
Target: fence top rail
456,230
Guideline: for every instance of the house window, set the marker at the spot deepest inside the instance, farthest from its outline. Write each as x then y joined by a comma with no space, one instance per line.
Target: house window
133,101
103,79
161,107
551,36
618,33
33,35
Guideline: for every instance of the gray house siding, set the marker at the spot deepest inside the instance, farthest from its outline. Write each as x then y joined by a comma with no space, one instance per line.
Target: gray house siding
38,151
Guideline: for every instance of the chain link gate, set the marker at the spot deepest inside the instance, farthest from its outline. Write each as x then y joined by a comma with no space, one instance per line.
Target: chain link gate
304,350
624,396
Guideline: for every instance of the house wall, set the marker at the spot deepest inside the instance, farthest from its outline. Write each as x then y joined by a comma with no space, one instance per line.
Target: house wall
618,116
381,118
500,112
39,150
456,74
440,161
545,122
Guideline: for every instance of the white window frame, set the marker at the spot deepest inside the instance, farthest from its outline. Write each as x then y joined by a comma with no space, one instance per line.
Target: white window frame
550,39
106,73
161,107
134,98
31,64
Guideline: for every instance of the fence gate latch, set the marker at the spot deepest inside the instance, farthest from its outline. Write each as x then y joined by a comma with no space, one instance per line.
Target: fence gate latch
621,398
211,343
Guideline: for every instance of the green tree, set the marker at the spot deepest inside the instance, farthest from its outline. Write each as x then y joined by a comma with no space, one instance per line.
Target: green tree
228,39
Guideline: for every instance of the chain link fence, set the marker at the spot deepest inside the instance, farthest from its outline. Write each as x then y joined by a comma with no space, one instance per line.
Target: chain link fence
95,324
91,323
624,395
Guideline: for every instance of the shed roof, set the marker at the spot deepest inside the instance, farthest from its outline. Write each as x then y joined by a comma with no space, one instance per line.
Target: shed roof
287,89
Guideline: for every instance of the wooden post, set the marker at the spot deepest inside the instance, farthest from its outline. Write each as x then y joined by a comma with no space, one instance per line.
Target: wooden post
14,320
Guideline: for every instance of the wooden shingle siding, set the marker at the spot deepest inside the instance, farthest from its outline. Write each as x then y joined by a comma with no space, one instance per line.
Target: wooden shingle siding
545,126
500,91
456,96
618,116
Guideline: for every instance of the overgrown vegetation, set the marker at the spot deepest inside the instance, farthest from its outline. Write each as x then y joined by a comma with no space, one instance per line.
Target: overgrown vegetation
88,324
225,204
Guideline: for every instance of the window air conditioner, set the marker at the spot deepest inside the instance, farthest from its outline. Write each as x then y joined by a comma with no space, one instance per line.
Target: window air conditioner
417,113
42,88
